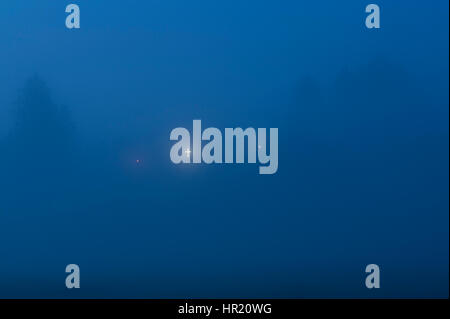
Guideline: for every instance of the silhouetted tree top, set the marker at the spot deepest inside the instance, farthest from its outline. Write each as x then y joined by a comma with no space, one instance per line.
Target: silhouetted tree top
39,122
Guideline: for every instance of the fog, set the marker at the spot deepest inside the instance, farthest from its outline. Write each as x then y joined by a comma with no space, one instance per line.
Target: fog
86,178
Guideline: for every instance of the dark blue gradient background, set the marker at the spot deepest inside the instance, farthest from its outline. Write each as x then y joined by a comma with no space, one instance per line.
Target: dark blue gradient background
363,137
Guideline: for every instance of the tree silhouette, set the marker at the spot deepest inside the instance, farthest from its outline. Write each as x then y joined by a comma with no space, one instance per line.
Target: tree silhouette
42,133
